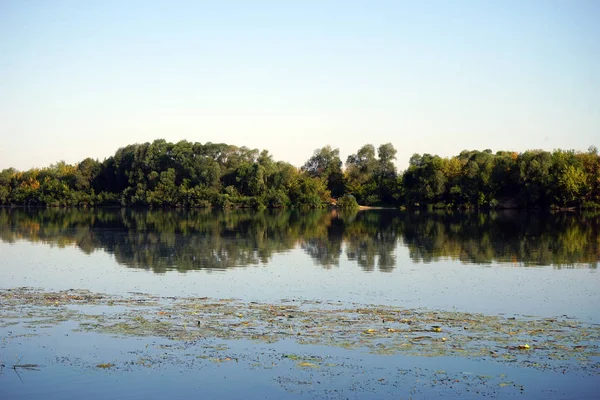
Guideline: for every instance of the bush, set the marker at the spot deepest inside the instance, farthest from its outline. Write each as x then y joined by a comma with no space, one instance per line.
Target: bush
348,202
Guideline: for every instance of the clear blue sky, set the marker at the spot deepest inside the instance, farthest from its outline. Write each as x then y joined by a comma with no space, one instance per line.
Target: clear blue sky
83,78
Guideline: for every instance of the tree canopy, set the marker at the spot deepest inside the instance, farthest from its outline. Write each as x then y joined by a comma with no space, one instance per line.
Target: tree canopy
196,175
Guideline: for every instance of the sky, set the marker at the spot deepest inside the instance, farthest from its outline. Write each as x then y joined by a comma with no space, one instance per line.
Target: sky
83,78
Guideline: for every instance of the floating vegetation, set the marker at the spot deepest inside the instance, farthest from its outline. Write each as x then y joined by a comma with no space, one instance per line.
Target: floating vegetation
105,365
313,362
542,343
307,364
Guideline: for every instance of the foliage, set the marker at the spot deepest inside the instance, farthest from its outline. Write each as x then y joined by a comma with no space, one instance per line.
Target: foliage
347,201
162,174
195,175
325,163
475,179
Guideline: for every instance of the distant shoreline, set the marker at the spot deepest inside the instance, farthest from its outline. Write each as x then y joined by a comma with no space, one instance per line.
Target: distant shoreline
218,175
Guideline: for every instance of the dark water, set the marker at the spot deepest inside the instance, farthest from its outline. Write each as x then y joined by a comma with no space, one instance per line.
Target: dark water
513,263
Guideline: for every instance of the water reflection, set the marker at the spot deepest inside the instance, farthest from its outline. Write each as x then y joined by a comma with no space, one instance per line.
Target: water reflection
205,239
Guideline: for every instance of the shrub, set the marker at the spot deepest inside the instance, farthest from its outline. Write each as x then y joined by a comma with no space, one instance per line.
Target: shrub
347,201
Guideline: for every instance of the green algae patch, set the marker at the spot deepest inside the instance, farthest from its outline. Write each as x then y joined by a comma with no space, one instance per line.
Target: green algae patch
543,343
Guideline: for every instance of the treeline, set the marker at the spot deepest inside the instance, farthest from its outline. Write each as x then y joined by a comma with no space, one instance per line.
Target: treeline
195,175
534,179
184,240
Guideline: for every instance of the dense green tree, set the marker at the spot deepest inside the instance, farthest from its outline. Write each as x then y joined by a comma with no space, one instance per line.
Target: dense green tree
424,180
360,171
325,163
386,174
309,192
571,184
534,178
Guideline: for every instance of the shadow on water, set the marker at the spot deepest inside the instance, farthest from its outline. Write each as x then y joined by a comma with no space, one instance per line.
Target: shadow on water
163,240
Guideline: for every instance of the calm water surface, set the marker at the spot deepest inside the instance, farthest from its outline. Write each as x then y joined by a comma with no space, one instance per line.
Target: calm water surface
496,263
500,262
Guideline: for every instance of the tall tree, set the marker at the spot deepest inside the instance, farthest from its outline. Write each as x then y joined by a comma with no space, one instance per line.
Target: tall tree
360,172
325,163
385,173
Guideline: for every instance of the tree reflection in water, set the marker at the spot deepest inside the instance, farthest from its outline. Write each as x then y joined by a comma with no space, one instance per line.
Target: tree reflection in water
161,240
